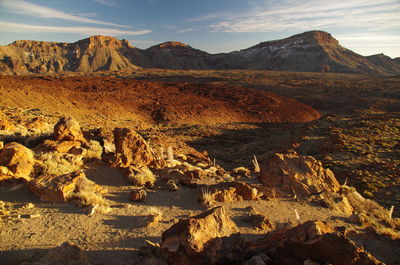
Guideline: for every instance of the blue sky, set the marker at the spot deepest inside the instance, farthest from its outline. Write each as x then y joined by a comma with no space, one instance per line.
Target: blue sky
364,26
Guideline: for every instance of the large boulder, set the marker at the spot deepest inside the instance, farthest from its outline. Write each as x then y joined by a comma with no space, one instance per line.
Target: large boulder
53,188
302,174
5,123
60,146
198,239
17,160
313,240
68,129
131,149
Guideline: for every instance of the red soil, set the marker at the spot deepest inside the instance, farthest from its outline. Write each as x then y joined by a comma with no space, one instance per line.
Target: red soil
104,99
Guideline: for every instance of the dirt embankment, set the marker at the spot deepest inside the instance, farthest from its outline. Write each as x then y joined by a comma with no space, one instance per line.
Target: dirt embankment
110,100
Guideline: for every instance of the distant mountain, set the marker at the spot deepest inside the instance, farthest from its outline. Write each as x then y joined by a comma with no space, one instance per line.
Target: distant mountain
177,55
88,55
385,63
313,51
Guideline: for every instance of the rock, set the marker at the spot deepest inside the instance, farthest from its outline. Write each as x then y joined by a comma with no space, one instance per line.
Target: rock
61,147
138,195
338,203
171,185
302,174
53,188
5,123
241,172
246,191
68,129
255,260
313,240
18,159
77,151
66,254
108,146
198,239
258,221
153,220
196,174
1,145
29,206
132,148
228,192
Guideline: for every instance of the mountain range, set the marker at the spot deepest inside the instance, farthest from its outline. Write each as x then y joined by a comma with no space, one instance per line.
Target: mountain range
313,51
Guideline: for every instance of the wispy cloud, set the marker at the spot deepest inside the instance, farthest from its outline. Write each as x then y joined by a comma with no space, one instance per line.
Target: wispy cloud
368,40
269,16
106,2
17,27
186,30
31,9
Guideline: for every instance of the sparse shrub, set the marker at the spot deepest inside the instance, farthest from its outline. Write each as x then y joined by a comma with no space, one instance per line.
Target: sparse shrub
94,150
206,198
256,165
141,177
88,193
58,163
155,216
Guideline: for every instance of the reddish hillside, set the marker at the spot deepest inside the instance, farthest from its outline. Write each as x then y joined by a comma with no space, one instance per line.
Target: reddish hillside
107,99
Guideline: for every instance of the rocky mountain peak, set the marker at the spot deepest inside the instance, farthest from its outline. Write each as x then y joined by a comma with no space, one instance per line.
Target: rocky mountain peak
172,44
32,44
321,37
99,41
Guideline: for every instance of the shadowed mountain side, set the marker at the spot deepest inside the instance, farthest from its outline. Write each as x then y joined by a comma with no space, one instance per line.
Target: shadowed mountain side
149,102
313,51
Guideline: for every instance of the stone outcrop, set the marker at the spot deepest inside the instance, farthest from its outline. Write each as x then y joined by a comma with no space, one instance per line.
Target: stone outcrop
60,146
229,192
5,123
53,188
302,174
68,129
313,240
131,149
198,239
16,161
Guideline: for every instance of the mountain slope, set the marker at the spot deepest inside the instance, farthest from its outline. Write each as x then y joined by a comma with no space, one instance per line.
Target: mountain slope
385,63
177,55
88,55
313,51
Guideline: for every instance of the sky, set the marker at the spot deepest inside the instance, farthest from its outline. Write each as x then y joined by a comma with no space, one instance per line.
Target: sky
364,26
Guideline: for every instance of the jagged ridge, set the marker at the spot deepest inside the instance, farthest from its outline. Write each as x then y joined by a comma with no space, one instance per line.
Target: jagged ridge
313,51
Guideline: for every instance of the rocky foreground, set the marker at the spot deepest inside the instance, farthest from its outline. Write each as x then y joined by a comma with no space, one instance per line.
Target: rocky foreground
56,163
